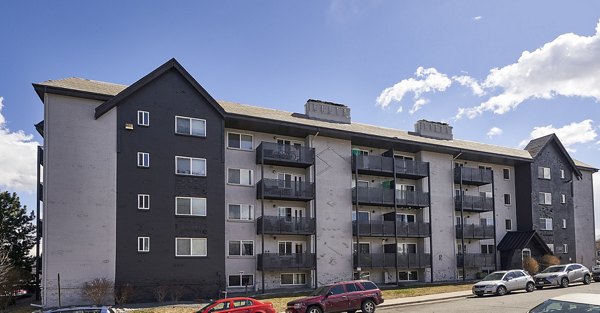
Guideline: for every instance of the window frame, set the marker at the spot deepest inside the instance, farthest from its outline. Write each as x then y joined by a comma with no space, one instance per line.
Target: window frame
546,221
145,241
565,248
144,160
190,119
509,199
545,197
241,205
240,141
542,171
241,276
145,118
409,275
250,179
294,282
241,242
562,173
144,198
563,198
509,220
203,200
191,239
506,171
190,159
564,223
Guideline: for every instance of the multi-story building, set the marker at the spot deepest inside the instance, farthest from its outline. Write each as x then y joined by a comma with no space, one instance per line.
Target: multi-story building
157,184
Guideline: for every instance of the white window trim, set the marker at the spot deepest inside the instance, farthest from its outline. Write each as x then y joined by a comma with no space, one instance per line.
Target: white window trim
408,275
563,198
294,276
292,141
546,223
511,223
191,239
191,169
250,207
484,167
361,243
564,223
412,158
354,213
138,159
240,275
509,199
240,148
144,241
544,172
508,169
562,174
242,248
141,196
190,119
144,114
251,179
191,206
565,248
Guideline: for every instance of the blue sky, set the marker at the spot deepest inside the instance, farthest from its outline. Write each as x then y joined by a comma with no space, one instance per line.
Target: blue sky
431,58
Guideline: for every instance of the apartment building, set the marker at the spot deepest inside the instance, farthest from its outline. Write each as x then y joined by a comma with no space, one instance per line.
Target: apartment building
158,184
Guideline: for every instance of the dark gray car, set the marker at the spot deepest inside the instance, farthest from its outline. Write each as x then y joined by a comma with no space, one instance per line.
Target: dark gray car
563,275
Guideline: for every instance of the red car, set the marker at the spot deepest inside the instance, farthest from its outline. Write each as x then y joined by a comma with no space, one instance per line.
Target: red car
238,305
349,296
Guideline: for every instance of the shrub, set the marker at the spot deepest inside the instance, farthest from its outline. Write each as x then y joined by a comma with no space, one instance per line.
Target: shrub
97,289
176,293
160,293
549,260
123,293
531,266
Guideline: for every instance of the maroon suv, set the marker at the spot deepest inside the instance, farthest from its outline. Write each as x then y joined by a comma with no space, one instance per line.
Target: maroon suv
347,296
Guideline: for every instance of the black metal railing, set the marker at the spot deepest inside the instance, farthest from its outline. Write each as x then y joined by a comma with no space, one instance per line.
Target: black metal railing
475,260
384,166
285,225
279,189
405,198
276,261
473,176
387,260
285,155
385,197
473,231
386,229
473,203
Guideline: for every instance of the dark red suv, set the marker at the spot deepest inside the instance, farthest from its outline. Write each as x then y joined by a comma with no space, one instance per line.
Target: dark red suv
347,296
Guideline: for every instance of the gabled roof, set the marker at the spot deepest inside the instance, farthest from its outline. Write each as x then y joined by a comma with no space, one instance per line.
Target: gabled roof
171,64
535,146
71,86
520,239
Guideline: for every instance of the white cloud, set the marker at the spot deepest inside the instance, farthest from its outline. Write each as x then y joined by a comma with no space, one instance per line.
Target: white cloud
567,66
400,109
428,80
574,133
477,18
18,158
494,131
418,105
470,82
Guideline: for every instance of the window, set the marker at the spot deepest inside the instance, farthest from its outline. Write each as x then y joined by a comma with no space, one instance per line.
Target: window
564,223
406,248
239,141
190,206
461,249
562,174
483,167
241,247
242,303
506,198
241,212
363,247
356,151
545,198
408,275
363,275
293,279
190,247
525,254
143,244
190,166
238,176
337,289
506,173
143,159
240,280
143,202
545,223
489,221
565,248
351,287
143,118
543,172
563,198
508,224
406,218
190,126
550,246
363,216
487,249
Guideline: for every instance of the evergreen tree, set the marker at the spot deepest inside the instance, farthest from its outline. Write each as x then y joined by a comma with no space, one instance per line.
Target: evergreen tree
17,232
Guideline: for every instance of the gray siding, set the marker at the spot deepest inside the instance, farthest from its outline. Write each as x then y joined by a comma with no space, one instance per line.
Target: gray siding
583,203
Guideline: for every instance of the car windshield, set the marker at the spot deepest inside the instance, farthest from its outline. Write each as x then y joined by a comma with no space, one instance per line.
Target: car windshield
321,291
563,306
494,276
206,306
554,269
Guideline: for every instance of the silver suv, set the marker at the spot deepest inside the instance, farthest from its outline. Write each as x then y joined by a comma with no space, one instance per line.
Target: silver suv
563,275
502,282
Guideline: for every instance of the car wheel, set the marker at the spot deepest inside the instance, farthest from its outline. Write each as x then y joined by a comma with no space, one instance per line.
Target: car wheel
539,287
587,280
564,283
353,311
479,295
368,306
314,309
501,290
529,287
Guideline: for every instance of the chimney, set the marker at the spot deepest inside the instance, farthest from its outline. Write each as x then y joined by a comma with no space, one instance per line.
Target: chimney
435,130
327,111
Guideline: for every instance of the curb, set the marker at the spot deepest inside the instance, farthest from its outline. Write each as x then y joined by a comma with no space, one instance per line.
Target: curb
414,301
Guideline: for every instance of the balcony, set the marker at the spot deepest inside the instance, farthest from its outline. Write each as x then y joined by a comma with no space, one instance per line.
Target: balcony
380,196
473,231
294,261
475,260
387,260
280,225
285,155
473,203
386,229
473,176
279,189
384,166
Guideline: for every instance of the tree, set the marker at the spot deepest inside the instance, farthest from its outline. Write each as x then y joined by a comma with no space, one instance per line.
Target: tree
549,260
531,266
17,232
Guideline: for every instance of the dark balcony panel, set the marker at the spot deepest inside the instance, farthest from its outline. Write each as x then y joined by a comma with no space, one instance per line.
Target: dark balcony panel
473,203
414,230
40,191
294,261
411,169
412,199
374,196
388,260
386,229
473,176
285,155
373,165
473,231
475,260
280,225
279,189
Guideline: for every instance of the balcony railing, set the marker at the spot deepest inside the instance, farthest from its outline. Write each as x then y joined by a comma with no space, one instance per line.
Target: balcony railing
473,231
473,203
285,155
475,260
384,166
285,225
473,176
279,189
385,197
387,260
386,229
294,261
